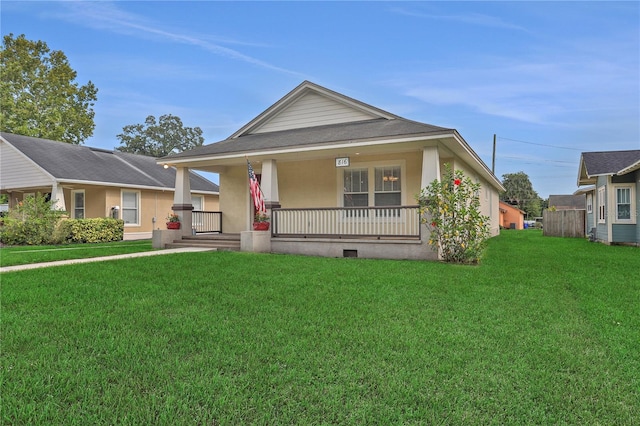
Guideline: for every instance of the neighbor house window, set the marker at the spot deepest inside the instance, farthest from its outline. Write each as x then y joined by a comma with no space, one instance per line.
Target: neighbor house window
589,203
602,207
77,207
625,203
197,202
131,207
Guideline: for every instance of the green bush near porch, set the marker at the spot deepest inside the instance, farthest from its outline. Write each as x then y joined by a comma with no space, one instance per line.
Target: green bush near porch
94,230
544,331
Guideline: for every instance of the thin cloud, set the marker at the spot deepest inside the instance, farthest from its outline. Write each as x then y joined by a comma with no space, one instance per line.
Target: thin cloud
478,19
106,16
544,92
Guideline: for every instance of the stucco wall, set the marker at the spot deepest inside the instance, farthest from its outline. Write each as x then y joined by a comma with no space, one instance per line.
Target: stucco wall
318,183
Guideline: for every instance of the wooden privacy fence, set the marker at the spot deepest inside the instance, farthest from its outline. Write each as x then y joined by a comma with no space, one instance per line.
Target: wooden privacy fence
563,223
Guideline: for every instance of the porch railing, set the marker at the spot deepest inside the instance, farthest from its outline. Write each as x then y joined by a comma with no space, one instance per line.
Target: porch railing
343,222
204,222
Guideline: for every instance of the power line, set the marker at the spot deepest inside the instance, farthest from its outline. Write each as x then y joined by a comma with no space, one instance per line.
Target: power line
540,144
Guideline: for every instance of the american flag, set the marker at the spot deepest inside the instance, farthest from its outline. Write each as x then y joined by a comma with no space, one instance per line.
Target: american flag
256,192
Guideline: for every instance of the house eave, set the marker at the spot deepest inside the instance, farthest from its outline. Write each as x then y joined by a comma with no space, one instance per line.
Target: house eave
632,168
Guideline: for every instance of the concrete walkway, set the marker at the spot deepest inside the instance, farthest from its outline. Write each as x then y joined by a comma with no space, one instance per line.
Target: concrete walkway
101,258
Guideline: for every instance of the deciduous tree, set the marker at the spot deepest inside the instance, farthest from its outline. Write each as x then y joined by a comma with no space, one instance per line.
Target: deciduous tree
38,93
161,138
519,192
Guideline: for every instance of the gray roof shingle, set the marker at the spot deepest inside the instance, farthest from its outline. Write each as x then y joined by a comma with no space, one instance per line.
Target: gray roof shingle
609,162
66,161
317,135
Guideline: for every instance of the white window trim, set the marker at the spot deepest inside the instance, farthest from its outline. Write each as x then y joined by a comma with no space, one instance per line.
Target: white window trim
122,208
632,196
371,166
602,204
73,203
589,203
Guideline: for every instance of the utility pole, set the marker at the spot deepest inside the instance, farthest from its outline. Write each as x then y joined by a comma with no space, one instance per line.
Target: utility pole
493,161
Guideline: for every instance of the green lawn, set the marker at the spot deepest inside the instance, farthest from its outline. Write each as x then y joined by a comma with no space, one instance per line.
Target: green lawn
544,331
22,255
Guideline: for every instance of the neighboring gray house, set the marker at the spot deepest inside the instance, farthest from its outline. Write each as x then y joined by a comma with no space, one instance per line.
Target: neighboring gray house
92,182
612,203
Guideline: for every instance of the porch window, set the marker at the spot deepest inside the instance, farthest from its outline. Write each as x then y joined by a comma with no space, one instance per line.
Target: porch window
625,203
589,203
601,205
356,188
373,185
131,207
387,186
77,208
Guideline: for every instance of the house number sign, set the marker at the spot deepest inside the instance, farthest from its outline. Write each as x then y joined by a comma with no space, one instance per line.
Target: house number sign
342,162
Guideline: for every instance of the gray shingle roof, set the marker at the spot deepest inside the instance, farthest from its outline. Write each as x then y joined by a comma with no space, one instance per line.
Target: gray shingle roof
66,161
568,202
609,162
318,135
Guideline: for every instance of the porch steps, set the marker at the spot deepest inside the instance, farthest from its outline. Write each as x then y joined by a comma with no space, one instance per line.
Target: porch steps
214,241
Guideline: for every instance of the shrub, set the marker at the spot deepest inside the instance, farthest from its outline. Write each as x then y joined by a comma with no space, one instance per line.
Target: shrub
96,230
451,210
31,222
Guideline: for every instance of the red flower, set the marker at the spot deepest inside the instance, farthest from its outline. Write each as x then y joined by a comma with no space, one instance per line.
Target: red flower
457,182
433,224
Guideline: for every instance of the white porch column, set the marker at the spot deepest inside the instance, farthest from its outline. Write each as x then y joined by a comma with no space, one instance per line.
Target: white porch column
269,184
430,166
57,197
182,199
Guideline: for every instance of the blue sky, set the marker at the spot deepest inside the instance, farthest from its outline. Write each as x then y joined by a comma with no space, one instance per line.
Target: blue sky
550,79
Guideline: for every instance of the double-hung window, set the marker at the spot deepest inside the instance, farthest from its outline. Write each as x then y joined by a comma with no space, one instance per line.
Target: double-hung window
373,186
356,187
625,203
131,207
589,203
77,198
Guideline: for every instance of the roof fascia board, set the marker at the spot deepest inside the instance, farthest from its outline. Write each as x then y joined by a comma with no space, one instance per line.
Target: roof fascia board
296,93
492,177
633,167
128,186
26,157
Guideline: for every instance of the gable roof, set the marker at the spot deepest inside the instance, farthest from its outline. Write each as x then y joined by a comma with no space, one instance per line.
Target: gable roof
315,120
504,206
83,164
606,163
310,100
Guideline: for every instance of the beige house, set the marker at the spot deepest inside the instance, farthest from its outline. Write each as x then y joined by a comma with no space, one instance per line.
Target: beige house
91,182
339,177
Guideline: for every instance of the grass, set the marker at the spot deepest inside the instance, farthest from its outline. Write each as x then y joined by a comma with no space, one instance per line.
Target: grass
544,331
22,255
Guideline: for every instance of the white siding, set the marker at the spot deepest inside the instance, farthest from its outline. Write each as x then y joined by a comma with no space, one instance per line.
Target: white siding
313,110
18,172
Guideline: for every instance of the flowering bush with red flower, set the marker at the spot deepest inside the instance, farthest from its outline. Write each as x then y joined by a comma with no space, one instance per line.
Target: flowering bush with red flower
451,209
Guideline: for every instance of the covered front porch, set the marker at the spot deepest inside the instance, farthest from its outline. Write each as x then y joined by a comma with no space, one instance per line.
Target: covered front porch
314,218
